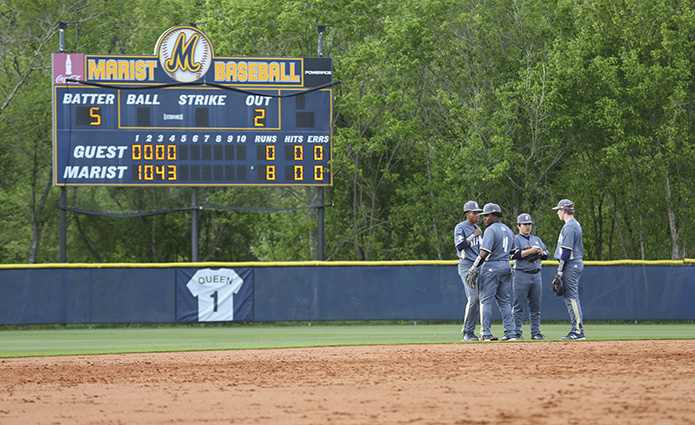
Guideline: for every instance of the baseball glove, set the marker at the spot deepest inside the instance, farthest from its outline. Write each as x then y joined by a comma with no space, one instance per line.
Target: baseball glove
471,276
557,285
532,257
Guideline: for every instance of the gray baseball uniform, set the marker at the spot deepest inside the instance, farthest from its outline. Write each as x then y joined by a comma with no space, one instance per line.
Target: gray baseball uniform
462,232
570,240
495,278
527,284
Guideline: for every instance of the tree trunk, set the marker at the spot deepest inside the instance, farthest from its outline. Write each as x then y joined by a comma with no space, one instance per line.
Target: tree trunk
37,219
673,231
356,208
432,200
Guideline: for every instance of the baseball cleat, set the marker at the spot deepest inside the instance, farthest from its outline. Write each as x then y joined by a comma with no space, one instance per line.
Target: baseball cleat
470,336
573,336
538,337
486,338
509,338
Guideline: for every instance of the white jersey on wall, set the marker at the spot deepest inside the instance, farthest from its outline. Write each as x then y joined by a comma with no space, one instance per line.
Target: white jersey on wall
215,290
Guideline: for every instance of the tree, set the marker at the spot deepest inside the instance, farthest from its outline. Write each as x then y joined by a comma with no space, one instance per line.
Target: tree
624,79
27,29
441,101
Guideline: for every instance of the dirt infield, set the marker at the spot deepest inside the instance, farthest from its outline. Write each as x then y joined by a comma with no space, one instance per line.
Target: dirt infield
583,382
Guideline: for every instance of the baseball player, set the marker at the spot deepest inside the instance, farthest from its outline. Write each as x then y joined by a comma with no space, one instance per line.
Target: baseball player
467,240
527,252
495,276
569,253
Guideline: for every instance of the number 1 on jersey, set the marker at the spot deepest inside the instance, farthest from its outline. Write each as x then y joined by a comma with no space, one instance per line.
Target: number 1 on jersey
214,297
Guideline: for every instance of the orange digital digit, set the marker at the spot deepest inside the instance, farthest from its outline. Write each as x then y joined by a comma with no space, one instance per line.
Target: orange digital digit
171,152
160,170
298,153
259,117
298,172
171,173
270,172
95,112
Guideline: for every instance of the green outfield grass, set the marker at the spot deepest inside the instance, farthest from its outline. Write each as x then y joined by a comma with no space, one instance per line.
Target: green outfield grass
144,339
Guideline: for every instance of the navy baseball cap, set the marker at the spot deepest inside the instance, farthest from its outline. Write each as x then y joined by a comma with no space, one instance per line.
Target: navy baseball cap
565,204
491,208
524,219
471,206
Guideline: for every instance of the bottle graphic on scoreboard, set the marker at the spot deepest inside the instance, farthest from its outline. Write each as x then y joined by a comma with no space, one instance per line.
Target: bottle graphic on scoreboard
68,65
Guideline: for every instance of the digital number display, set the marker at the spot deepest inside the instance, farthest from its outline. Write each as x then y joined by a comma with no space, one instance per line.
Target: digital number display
88,115
112,133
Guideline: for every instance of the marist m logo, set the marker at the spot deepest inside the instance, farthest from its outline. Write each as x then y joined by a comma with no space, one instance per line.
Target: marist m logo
182,55
185,53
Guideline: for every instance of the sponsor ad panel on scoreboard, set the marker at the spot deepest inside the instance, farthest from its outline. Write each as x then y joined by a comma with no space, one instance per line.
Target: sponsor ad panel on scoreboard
185,117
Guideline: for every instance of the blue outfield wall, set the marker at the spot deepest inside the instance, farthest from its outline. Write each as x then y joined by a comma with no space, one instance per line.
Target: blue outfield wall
316,291
86,295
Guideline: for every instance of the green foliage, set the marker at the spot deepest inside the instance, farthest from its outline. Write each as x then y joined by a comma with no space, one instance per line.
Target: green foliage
441,101
627,73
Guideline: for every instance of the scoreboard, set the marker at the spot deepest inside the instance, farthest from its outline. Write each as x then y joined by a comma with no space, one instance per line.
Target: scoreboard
139,121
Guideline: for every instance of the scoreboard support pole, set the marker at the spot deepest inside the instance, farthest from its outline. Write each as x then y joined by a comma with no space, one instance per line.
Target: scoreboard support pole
321,29
194,225
63,190
319,254
63,226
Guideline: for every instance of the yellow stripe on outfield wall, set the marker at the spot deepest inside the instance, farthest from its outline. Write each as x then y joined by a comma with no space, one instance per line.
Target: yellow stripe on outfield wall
687,261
